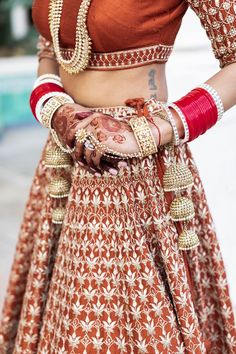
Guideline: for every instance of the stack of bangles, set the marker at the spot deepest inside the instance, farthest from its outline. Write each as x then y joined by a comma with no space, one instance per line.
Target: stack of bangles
47,96
198,111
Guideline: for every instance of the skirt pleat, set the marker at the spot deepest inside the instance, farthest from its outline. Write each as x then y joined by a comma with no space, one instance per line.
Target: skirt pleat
111,279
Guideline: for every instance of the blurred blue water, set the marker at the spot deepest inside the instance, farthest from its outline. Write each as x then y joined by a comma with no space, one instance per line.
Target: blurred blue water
14,100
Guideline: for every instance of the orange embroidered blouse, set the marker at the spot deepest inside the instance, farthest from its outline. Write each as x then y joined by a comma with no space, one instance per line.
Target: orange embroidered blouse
135,33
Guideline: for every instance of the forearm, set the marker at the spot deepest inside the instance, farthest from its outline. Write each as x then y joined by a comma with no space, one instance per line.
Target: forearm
224,82
47,66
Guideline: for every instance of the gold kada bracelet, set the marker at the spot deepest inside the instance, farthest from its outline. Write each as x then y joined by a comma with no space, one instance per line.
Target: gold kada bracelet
47,113
143,135
51,106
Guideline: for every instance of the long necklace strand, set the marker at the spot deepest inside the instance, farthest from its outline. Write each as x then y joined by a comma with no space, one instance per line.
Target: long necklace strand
81,54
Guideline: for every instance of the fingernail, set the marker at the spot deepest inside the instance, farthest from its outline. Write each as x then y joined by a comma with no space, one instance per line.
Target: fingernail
113,171
122,164
83,115
98,174
80,163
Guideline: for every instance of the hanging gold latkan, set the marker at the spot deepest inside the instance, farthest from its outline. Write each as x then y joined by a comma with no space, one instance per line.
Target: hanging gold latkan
182,209
56,158
58,215
59,186
188,239
178,178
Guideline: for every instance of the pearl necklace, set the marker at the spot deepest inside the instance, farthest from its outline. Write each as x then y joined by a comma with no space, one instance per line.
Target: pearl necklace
80,57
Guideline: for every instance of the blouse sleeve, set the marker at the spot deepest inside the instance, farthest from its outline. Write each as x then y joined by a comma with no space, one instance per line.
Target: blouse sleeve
45,49
218,17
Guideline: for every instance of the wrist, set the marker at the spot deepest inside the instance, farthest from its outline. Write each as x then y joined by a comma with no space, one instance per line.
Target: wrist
166,132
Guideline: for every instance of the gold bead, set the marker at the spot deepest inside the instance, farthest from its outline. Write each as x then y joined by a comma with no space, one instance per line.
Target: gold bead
82,50
81,135
59,188
188,240
58,215
177,177
182,209
56,158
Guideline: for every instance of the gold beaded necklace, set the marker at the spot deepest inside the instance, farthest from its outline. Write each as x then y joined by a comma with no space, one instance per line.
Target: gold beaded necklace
81,54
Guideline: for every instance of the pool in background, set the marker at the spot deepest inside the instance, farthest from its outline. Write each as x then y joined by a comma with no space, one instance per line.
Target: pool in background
16,80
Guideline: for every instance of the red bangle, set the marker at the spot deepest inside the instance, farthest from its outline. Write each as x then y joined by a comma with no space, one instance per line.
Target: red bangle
200,111
40,91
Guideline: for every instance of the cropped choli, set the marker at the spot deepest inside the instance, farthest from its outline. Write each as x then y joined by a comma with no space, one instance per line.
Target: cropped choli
137,32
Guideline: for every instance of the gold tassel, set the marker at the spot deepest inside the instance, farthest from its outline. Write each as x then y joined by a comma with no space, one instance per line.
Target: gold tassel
177,177
59,188
58,215
188,240
56,158
182,209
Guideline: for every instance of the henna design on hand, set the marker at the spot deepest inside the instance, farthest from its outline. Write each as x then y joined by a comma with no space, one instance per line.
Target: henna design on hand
119,139
82,115
111,125
66,120
114,126
94,122
63,121
106,127
102,136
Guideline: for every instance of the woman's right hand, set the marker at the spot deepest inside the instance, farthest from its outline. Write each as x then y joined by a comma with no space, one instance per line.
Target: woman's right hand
67,120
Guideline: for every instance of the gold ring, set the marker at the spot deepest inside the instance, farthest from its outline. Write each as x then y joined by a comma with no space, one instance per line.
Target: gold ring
81,135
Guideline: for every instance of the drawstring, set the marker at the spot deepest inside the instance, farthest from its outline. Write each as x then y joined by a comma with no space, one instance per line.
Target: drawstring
139,104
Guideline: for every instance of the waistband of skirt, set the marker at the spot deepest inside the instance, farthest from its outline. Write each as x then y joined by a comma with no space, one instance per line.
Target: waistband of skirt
120,112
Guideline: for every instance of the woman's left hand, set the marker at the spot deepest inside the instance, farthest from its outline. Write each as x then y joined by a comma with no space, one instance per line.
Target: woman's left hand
114,134
118,136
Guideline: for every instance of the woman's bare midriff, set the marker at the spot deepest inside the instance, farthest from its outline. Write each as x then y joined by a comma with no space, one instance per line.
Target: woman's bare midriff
93,88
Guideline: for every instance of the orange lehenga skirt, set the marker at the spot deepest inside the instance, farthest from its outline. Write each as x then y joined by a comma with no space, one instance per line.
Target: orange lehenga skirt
111,279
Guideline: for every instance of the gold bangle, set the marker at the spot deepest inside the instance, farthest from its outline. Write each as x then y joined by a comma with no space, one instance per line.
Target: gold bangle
143,135
50,107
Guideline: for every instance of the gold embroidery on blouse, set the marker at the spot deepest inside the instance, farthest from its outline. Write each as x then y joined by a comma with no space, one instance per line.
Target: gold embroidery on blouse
219,20
125,58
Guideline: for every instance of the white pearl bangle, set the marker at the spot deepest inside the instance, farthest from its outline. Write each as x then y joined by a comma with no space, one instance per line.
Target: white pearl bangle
183,120
216,98
47,81
47,76
171,120
44,98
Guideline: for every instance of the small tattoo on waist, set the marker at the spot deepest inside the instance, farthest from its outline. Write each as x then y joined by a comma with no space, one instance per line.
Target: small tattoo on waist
152,80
